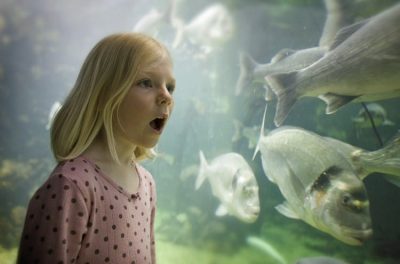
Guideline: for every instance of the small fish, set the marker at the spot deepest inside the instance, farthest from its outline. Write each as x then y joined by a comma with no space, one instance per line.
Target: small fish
211,28
378,114
318,182
362,65
233,183
154,20
320,260
285,61
267,248
53,111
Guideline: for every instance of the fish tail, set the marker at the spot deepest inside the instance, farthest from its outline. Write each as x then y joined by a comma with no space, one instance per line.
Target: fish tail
246,76
170,12
202,175
180,32
283,85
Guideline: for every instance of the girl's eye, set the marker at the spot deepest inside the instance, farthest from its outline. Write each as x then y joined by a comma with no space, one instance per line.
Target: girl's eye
145,83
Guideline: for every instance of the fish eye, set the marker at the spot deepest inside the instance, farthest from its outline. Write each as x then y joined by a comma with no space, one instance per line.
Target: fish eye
346,199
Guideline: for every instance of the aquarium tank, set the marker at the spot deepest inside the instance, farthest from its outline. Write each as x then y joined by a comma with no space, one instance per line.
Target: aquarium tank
217,111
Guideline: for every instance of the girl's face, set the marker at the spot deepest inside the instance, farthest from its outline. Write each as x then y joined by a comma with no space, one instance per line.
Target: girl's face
147,106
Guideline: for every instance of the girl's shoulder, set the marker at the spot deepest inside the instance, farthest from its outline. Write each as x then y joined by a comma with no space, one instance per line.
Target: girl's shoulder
76,170
79,172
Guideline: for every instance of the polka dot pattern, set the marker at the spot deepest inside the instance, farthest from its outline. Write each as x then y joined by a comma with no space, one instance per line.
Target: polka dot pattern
80,215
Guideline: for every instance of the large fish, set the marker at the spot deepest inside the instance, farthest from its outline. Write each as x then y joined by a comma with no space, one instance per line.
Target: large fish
233,183
319,183
363,64
321,179
289,60
285,61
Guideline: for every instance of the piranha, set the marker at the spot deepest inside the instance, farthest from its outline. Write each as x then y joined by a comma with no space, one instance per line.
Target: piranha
233,183
362,65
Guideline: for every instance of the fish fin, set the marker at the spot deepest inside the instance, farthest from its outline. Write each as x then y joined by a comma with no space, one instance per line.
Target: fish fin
387,122
335,101
238,130
170,12
179,35
269,94
246,76
261,132
346,32
393,179
283,87
283,53
284,208
266,174
221,210
202,175
267,248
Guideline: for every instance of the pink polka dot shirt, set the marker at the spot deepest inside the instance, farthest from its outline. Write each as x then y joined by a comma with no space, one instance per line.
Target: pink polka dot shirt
79,215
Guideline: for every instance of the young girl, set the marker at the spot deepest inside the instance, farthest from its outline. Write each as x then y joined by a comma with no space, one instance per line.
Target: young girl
98,205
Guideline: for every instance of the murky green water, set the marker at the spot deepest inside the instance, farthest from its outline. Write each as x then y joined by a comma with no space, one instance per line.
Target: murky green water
42,45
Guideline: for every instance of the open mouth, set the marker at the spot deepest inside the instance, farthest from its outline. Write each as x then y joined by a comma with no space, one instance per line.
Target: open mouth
158,124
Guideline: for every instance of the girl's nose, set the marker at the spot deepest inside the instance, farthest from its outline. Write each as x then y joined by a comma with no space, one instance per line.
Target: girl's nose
165,96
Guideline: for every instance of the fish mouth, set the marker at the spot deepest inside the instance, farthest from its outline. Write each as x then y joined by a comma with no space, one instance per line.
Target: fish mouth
253,211
158,123
358,237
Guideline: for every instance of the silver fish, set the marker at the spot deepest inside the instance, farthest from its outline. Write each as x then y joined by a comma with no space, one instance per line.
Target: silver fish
319,184
289,60
378,114
211,28
285,61
233,183
363,64
154,20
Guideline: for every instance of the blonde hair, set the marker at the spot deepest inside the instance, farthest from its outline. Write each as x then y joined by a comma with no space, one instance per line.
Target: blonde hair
108,72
